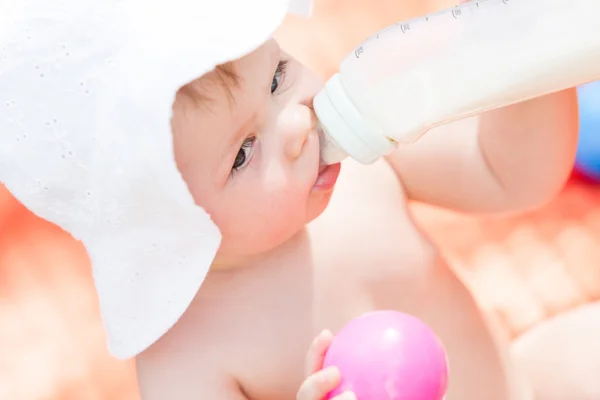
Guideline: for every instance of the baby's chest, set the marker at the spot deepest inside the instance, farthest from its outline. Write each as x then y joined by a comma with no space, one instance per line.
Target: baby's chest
275,328
335,289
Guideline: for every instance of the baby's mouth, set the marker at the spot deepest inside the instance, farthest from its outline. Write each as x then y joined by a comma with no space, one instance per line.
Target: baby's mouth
327,173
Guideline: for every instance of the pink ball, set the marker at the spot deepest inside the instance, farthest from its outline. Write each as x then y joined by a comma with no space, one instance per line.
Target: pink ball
388,355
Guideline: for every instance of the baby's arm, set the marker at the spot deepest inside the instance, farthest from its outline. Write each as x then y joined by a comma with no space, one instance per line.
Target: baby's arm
506,159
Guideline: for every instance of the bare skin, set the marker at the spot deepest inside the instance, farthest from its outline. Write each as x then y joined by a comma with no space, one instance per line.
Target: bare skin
251,327
338,254
546,307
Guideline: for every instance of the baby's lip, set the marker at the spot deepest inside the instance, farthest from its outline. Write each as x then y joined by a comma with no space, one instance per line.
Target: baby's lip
327,177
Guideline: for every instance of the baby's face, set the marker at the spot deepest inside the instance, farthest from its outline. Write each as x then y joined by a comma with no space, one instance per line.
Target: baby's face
250,152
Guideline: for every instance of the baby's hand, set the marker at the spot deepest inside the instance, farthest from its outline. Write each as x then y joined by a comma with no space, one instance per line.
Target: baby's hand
320,381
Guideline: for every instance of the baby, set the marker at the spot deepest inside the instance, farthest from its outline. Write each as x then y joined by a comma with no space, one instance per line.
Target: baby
306,248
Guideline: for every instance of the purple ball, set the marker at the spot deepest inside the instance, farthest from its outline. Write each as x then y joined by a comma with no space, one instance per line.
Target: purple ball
388,355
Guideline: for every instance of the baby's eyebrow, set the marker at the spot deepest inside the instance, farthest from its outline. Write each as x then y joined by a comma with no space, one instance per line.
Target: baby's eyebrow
224,76
227,74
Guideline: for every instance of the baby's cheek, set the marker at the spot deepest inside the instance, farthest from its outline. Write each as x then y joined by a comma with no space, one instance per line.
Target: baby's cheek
267,222
283,214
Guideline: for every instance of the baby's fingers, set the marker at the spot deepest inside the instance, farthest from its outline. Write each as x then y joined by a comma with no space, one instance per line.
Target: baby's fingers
316,386
317,351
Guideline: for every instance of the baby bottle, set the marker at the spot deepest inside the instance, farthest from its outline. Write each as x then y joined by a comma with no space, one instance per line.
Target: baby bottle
486,54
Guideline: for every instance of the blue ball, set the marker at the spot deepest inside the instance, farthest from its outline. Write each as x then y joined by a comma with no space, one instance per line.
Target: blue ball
588,148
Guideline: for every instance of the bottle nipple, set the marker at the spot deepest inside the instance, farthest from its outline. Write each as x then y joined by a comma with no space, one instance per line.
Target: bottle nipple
330,152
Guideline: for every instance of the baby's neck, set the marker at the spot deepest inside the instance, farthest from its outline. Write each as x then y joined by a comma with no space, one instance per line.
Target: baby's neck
223,263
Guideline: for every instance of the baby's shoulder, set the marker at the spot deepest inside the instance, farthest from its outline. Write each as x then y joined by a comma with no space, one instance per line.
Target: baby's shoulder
193,359
183,364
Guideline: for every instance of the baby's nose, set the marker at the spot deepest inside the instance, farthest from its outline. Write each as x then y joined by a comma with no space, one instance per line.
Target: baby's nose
295,145
299,125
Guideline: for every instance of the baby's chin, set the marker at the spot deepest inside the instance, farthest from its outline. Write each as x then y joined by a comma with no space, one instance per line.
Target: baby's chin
318,204
265,236
229,259
243,247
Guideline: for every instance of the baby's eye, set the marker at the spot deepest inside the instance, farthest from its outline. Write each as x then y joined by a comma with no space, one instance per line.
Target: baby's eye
279,75
244,154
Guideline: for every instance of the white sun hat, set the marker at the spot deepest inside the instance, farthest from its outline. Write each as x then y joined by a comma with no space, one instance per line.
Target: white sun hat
86,93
